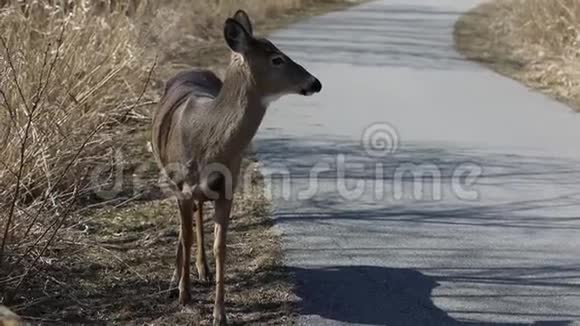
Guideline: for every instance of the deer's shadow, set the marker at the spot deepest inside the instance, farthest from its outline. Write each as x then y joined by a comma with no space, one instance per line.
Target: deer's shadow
375,295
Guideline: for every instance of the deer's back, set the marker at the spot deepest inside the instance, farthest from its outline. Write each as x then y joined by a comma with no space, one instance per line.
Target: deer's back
194,89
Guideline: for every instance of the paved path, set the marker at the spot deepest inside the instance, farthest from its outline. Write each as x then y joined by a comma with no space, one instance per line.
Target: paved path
431,239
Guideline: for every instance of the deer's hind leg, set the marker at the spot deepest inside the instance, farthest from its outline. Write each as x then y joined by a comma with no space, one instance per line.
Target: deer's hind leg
178,264
186,207
201,259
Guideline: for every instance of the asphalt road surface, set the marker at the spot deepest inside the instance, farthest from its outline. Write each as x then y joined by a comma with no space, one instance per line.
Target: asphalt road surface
419,188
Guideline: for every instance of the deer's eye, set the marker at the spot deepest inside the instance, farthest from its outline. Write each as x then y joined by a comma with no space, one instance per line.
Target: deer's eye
277,61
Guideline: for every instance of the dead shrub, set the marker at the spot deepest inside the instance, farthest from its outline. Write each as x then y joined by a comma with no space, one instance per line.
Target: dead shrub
535,41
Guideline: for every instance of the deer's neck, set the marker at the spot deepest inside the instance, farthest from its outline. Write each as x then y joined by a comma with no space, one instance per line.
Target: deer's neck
238,109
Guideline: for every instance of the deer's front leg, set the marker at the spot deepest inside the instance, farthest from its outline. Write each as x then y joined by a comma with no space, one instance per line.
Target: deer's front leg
222,218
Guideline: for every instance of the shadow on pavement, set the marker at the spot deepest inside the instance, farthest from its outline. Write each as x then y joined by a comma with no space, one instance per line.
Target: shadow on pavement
377,296
503,177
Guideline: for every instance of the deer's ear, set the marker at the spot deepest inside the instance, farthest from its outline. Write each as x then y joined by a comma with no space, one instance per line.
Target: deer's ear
242,17
236,36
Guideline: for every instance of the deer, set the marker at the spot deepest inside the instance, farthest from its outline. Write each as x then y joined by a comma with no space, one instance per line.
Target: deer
200,131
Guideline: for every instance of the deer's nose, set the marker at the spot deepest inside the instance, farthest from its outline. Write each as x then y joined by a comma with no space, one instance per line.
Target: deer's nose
316,87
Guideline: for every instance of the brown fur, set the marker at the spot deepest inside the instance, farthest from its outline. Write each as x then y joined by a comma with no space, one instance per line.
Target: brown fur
202,121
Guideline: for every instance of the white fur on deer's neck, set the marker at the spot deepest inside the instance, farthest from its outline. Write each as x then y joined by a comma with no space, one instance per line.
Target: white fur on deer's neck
237,58
267,100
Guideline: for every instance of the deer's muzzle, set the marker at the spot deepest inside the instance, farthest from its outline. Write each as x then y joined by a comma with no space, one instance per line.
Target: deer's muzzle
314,87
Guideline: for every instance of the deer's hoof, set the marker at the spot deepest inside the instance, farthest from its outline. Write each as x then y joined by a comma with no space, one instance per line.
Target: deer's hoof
204,274
220,319
184,297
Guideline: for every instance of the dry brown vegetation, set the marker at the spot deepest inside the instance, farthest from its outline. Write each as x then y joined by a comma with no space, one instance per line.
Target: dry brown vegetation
534,41
79,241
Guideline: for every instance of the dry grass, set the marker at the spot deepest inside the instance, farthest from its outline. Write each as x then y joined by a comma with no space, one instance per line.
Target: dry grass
77,83
534,41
